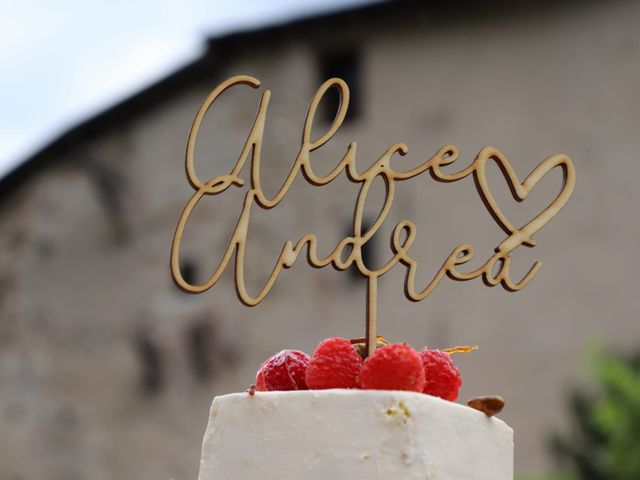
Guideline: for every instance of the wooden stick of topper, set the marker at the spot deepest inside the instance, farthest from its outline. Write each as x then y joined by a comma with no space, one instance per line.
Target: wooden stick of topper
348,252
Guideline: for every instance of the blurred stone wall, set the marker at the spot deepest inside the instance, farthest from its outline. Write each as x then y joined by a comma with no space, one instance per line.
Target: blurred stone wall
107,370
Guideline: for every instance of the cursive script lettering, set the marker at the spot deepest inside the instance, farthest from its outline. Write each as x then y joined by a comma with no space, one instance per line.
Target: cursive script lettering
348,252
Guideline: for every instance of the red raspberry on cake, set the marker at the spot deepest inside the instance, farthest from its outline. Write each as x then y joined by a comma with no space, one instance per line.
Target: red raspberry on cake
335,364
284,371
441,375
394,367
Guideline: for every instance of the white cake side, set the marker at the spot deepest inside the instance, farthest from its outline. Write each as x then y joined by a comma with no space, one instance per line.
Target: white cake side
352,434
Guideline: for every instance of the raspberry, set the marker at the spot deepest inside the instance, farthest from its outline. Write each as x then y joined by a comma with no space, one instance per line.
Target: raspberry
260,384
394,367
284,371
442,376
335,364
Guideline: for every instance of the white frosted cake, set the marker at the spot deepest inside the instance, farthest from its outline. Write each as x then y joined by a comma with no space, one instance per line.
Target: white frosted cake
344,434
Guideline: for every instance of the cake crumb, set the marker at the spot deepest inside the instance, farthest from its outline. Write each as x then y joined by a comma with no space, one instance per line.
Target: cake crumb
400,408
405,410
398,411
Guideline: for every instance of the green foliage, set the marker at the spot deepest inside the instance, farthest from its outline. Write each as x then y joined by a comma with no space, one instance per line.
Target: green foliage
545,477
606,440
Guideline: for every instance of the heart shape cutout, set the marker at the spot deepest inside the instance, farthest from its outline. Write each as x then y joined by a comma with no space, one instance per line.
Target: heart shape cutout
520,191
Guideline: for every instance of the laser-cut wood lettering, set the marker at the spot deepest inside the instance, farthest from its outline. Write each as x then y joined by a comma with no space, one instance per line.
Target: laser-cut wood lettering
348,252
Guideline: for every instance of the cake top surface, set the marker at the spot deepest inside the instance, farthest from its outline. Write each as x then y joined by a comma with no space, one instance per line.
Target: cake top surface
314,397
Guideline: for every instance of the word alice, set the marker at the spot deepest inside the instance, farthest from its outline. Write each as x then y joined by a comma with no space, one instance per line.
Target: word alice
348,252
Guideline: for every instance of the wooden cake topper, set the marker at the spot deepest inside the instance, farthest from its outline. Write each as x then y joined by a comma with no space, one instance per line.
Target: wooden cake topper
348,252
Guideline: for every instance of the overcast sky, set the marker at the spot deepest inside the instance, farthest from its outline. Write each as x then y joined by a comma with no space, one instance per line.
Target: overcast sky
62,61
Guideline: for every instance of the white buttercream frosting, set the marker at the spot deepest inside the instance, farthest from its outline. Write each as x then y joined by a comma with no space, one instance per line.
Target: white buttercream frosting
352,435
